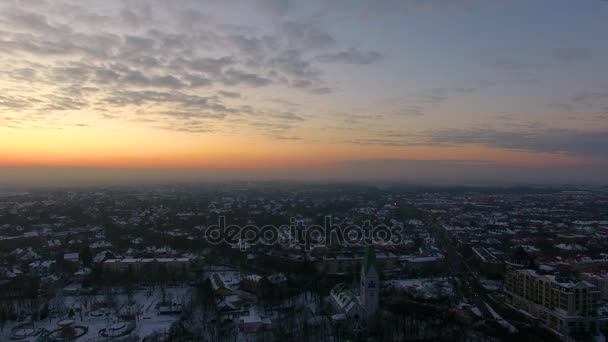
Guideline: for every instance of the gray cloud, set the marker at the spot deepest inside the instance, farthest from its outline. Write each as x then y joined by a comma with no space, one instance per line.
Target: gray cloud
510,64
130,18
213,66
290,62
103,75
138,98
306,36
143,54
188,114
61,103
410,162
378,10
284,102
310,86
563,107
16,102
587,103
235,77
571,54
461,172
410,111
189,126
23,74
435,95
586,143
31,22
320,90
136,44
439,95
277,7
351,56
196,81
70,74
265,52
136,77
590,97
229,94
532,137
288,116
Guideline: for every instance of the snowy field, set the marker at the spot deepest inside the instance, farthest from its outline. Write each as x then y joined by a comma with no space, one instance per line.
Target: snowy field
97,316
422,287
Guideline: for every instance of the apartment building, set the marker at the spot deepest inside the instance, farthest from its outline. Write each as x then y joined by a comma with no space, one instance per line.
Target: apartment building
566,305
135,265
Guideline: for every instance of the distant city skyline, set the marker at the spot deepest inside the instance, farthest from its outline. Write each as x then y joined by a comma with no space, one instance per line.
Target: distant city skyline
327,90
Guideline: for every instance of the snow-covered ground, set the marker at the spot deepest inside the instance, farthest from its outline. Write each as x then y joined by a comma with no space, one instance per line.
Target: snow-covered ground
422,287
491,285
144,300
503,323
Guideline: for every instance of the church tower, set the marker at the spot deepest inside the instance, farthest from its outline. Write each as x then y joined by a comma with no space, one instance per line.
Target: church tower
370,287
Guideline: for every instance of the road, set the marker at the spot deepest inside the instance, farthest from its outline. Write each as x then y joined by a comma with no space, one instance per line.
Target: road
469,284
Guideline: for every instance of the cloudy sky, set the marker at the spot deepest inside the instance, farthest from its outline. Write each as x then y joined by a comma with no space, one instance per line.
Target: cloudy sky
446,90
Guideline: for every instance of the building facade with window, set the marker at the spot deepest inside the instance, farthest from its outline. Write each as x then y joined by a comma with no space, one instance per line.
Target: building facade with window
565,305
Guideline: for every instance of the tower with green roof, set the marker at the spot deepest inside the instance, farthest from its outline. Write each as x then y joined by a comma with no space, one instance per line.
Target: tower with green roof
369,286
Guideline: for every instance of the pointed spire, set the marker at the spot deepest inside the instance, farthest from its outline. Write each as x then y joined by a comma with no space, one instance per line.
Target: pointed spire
355,284
370,258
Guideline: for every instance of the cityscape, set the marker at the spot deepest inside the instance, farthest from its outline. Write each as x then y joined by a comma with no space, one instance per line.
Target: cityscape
486,264
303,170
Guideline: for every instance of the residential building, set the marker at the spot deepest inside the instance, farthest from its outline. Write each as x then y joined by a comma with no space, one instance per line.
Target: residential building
565,305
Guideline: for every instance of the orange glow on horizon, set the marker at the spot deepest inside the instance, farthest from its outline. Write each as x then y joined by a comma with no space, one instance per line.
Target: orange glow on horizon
127,146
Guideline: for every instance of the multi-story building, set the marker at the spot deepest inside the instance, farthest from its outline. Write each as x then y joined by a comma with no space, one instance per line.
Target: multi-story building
171,265
600,280
431,264
339,264
565,305
252,283
488,263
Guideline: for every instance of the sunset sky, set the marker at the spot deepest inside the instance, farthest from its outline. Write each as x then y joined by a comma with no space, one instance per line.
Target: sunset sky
436,90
